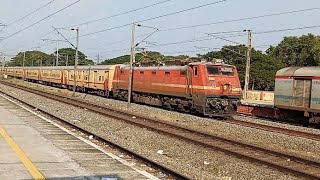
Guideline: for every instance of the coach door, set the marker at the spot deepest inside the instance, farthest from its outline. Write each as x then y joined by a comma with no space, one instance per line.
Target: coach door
302,93
95,78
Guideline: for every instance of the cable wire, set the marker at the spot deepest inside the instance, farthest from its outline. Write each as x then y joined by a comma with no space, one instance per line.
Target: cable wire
156,17
120,14
40,20
30,13
242,19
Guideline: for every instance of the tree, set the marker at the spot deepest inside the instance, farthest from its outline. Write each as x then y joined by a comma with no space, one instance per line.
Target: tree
143,56
298,51
70,52
33,58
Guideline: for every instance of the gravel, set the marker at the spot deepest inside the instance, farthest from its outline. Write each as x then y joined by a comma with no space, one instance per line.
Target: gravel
185,157
279,142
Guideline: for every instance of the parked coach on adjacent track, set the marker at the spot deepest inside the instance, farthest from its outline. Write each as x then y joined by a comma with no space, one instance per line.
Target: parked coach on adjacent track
212,89
297,90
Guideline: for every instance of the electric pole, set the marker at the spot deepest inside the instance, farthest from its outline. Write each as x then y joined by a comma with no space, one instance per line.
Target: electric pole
2,63
76,63
98,58
23,61
57,59
132,60
247,75
67,60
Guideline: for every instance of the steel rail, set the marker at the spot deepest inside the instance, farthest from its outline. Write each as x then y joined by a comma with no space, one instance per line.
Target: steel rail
146,160
275,129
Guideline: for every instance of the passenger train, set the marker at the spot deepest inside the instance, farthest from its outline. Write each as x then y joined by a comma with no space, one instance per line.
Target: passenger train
211,89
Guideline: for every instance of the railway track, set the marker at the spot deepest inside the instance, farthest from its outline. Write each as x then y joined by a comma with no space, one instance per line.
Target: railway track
275,129
299,166
174,174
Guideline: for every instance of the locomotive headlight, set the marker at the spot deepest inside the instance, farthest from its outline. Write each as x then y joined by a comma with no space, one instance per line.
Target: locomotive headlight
225,87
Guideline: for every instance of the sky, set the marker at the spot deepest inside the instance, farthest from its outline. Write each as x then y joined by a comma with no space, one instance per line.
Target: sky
35,32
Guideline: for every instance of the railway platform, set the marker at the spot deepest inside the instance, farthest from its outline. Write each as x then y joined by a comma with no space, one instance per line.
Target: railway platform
33,147
257,108
257,103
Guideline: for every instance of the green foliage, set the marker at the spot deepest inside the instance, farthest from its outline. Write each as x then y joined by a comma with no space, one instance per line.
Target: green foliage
298,51
33,58
70,52
118,60
38,58
145,56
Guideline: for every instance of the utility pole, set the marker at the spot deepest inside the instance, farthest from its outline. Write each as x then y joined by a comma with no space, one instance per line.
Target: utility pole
67,60
76,63
57,59
132,60
23,61
247,75
98,58
2,63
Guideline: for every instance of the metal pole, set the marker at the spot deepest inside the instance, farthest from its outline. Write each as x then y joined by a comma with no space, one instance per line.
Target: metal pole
3,63
247,75
132,60
23,60
67,60
98,61
76,64
57,59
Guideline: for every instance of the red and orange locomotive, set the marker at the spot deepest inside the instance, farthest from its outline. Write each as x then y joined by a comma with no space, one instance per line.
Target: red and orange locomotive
211,89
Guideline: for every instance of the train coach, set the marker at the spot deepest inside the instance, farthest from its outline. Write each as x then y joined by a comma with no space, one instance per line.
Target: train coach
297,92
212,89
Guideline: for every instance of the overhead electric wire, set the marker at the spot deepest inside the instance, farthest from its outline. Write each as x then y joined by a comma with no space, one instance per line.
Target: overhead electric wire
221,22
287,29
31,13
241,19
17,32
121,13
203,38
156,17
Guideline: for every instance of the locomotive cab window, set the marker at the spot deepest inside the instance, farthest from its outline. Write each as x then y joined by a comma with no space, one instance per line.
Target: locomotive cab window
213,70
228,71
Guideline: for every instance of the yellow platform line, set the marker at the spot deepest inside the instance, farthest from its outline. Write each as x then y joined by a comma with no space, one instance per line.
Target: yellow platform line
35,173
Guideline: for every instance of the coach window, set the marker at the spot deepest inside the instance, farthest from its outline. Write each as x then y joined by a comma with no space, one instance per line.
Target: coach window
154,73
195,71
122,71
141,72
167,73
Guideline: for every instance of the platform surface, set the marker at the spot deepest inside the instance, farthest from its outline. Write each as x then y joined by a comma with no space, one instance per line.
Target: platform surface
32,148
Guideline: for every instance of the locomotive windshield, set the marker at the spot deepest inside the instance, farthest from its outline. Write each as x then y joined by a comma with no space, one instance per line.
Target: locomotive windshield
220,70
227,71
